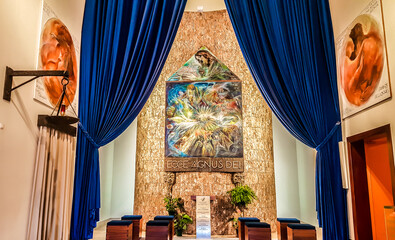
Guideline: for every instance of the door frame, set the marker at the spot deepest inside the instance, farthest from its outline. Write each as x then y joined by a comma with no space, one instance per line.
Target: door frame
357,159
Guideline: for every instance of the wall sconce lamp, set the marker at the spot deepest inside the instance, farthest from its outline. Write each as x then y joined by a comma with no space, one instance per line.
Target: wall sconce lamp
60,123
10,73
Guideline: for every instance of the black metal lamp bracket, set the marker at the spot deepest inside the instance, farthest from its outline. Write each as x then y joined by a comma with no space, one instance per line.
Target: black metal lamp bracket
10,73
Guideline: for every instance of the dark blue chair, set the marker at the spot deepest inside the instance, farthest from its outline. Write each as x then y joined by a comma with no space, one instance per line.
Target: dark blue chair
282,224
169,218
257,231
120,230
137,225
241,223
301,231
157,230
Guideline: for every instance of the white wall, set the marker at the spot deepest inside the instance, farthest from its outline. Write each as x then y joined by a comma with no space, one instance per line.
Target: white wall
208,5
117,175
343,13
106,159
294,166
124,172
306,177
286,171
19,26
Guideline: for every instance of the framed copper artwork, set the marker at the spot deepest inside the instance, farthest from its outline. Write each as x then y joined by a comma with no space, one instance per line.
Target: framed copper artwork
363,77
58,50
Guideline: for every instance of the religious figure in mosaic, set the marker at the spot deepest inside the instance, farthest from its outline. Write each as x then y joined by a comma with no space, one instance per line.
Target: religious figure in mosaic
204,110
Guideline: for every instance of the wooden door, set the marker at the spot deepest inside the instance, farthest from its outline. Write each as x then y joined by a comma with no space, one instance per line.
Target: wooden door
372,177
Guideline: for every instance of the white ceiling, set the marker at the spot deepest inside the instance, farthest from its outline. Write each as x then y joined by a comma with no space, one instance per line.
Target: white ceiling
208,5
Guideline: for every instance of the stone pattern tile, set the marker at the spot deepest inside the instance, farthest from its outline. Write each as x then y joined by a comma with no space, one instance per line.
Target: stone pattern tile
208,184
213,30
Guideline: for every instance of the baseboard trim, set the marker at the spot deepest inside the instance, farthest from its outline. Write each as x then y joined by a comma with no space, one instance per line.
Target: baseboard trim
103,223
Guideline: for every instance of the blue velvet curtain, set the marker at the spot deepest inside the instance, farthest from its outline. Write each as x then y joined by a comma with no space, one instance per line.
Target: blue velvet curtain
124,46
289,48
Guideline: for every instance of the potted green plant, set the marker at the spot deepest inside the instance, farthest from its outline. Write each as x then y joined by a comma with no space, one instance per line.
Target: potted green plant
181,222
175,207
240,196
172,204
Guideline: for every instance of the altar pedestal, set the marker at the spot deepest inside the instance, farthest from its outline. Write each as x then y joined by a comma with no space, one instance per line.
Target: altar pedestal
203,216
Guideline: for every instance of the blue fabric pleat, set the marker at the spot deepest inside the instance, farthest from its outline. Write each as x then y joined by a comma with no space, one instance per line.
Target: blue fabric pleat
289,48
124,46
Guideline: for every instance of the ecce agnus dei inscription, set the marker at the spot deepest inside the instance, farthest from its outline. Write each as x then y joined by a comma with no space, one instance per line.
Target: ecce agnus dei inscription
204,165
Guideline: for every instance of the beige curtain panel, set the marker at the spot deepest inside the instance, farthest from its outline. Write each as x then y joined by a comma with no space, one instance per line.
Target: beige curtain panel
50,210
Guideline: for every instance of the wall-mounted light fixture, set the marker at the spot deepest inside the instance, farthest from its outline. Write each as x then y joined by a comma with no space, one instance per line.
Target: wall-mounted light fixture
60,123
10,73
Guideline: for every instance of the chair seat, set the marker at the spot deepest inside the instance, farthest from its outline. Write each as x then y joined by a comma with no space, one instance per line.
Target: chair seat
164,218
131,217
119,223
288,220
158,223
248,219
301,226
257,225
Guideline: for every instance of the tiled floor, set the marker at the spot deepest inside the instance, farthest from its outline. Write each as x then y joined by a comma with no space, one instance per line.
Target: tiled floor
100,234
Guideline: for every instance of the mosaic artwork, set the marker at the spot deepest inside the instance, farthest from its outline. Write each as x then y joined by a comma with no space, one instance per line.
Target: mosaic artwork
203,66
204,117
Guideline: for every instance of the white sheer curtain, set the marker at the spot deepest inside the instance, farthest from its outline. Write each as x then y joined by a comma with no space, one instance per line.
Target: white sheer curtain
52,194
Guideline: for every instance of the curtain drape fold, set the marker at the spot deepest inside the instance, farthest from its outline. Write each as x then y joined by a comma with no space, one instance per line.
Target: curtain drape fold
124,46
50,209
289,48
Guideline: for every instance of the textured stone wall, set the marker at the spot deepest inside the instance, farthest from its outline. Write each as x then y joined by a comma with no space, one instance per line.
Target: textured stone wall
213,30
